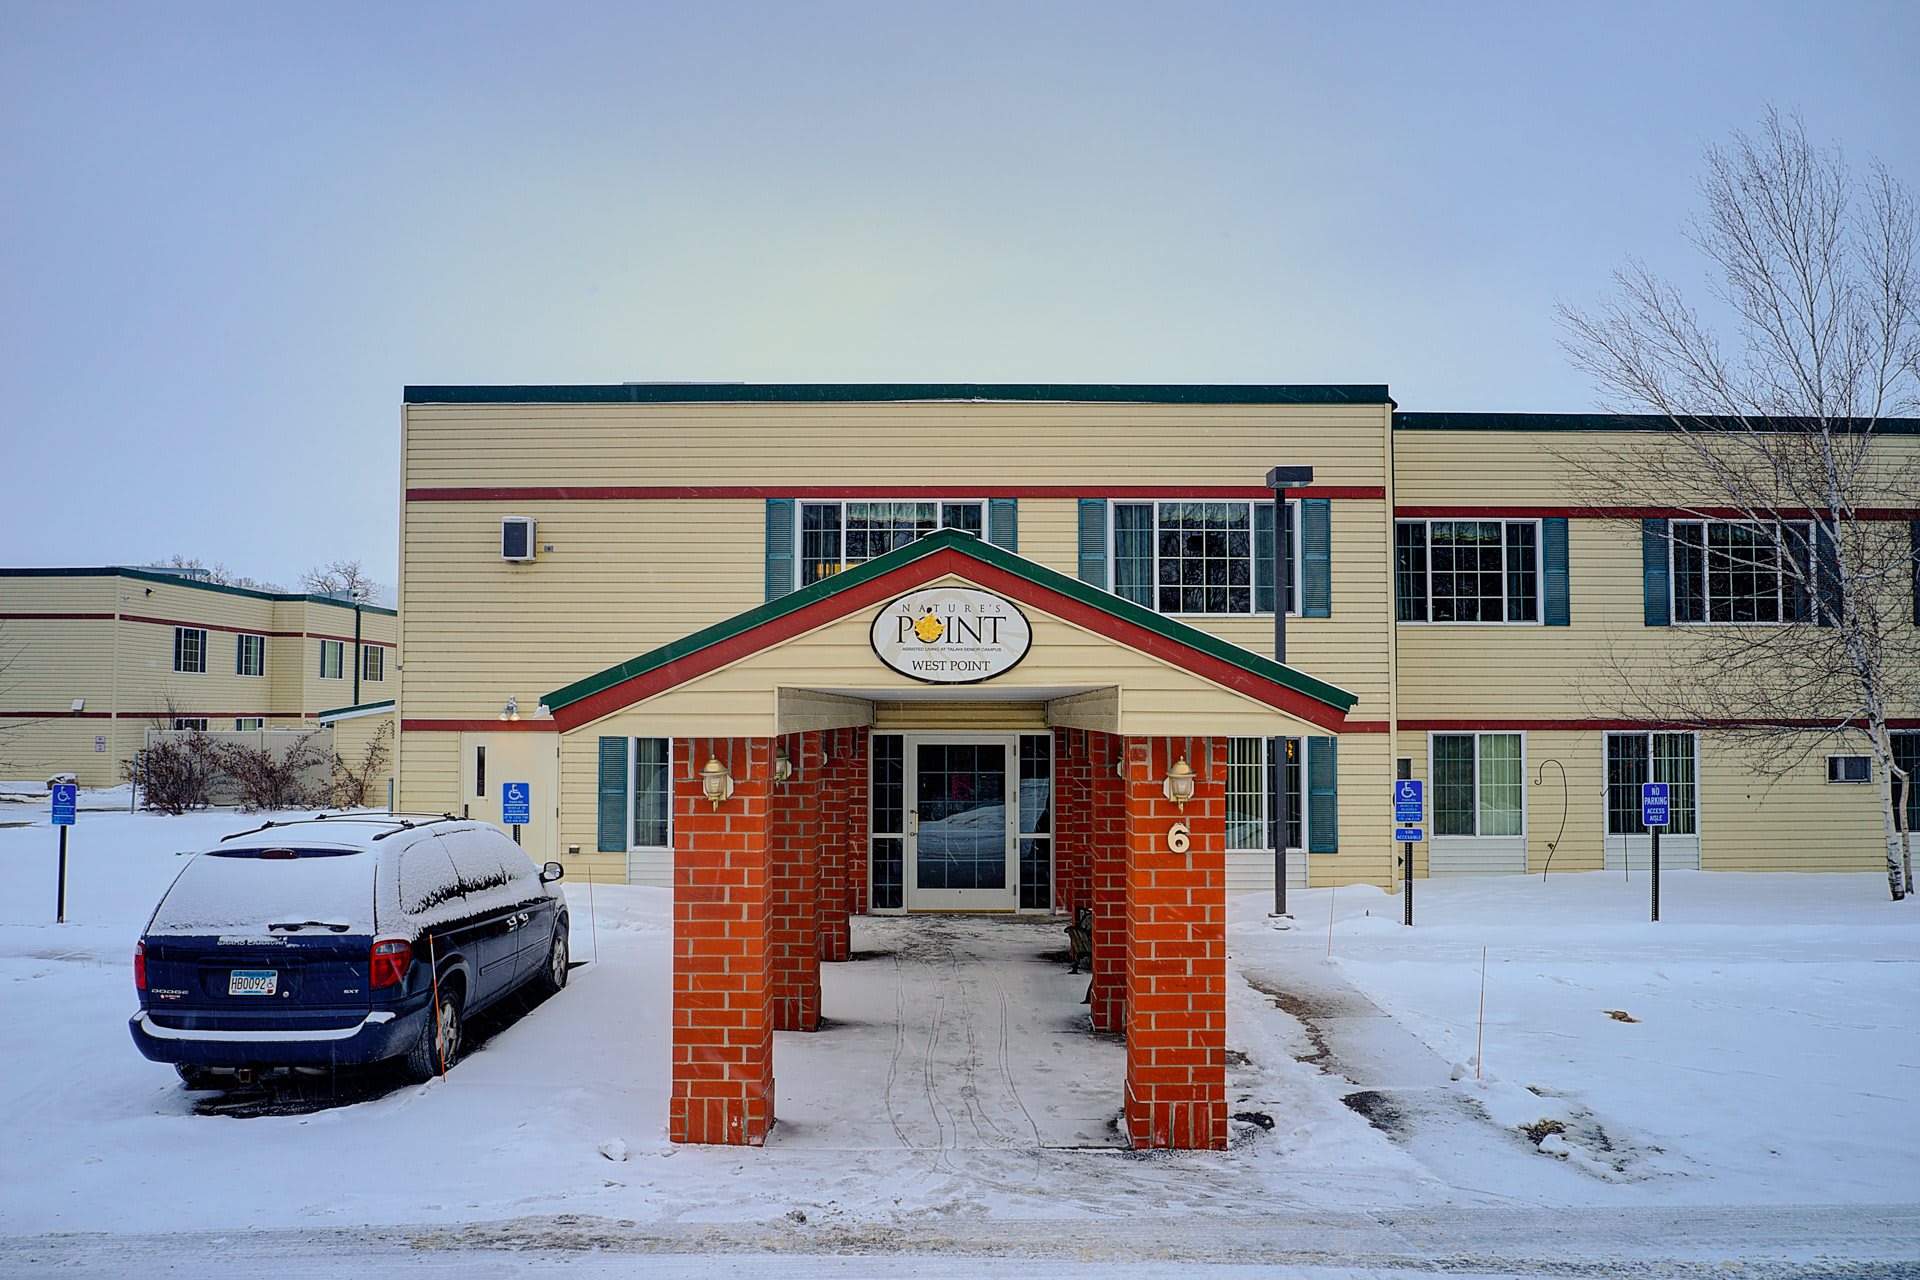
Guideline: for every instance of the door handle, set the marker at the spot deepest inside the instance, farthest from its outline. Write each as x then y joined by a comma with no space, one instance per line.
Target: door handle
913,822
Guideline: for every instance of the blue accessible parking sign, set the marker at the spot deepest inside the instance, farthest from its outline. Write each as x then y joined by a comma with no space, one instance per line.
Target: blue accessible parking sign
1409,801
66,798
516,803
1653,804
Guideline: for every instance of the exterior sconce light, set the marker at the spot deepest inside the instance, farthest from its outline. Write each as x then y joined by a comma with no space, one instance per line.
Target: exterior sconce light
1179,784
782,763
715,782
512,710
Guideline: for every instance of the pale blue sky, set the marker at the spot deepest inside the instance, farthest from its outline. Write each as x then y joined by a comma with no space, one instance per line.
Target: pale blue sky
231,233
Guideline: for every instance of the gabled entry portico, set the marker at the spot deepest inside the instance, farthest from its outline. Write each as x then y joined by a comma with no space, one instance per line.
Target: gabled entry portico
793,807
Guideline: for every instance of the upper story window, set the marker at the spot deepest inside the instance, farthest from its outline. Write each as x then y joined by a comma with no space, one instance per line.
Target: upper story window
190,650
373,663
1203,558
1742,571
1466,570
839,535
250,655
331,652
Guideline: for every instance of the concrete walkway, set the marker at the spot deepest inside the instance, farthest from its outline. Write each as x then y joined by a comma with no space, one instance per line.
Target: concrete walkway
949,1033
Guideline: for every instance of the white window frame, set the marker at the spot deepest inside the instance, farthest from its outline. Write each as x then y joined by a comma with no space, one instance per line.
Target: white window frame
248,724
1266,797
180,633
633,760
182,724
240,653
1539,618
1606,810
339,659
1287,536
1780,578
373,664
1832,760
800,525
1433,788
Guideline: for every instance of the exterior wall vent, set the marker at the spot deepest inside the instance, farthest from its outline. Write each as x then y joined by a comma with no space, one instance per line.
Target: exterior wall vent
516,539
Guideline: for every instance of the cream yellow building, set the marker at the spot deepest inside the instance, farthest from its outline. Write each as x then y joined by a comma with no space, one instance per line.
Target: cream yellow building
95,657
593,577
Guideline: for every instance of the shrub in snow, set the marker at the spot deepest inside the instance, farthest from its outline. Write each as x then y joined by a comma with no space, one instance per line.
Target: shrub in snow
266,778
353,783
175,774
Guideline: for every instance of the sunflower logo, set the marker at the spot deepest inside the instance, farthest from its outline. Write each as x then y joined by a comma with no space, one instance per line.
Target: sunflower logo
929,628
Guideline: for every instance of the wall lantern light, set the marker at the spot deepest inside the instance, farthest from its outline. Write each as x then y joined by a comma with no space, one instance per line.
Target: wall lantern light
1179,784
715,782
782,763
512,710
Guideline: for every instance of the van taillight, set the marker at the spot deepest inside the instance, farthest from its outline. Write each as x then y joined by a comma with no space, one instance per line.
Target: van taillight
390,961
140,966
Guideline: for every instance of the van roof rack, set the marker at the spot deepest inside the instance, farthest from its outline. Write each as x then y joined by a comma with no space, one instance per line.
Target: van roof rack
397,822
409,826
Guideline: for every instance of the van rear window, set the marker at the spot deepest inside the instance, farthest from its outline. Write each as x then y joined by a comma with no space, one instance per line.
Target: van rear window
281,855
245,891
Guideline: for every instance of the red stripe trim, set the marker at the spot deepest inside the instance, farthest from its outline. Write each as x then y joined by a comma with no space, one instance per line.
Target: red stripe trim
605,493
1628,513
938,565
479,726
366,641
1597,723
148,715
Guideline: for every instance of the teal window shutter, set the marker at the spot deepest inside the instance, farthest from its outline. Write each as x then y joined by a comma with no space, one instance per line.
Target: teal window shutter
1316,556
1555,607
1656,599
1003,523
1323,795
1093,542
1826,577
1913,540
613,795
1264,557
779,548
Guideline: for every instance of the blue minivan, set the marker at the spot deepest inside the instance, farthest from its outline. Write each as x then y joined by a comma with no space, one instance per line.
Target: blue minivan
336,941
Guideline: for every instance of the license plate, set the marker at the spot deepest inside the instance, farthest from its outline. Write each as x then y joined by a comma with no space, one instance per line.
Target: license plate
253,982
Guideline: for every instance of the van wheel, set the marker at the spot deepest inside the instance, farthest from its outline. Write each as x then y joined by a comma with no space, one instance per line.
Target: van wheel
439,1044
196,1077
554,976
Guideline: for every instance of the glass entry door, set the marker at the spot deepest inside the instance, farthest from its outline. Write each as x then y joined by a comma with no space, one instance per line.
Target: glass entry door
961,836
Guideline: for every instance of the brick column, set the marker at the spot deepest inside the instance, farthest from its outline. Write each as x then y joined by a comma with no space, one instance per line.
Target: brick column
793,934
859,820
1073,798
1176,950
722,1012
835,843
1106,869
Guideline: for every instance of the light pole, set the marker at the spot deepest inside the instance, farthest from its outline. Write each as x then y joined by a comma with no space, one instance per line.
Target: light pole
1280,479
359,662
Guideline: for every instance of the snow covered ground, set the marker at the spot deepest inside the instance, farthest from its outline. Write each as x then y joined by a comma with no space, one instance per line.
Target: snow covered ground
1758,1049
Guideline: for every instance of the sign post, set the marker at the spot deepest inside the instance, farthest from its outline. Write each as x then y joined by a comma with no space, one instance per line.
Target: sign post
1654,817
1409,807
66,800
516,806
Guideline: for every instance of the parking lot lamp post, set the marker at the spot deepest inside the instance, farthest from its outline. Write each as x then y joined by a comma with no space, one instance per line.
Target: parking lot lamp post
1280,479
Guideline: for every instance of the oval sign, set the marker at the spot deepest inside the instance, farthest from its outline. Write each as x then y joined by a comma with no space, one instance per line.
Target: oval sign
951,635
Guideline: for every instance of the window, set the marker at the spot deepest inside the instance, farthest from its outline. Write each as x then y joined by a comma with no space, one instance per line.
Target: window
1250,793
246,724
190,650
1203,557
250,655
1478,784
330,659
373,663
1036,821
1731,571
1849,769
196,723
1906,754
480,771
652,793
1634,758
839,535
888,799
1466,570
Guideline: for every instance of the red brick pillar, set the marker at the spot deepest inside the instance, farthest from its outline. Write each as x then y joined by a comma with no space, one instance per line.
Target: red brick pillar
793,927
722,1011
1107,882
859,821
1176,951
835,842
1073,818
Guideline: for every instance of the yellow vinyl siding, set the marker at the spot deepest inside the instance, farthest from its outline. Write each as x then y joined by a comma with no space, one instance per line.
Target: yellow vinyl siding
981,717
352,737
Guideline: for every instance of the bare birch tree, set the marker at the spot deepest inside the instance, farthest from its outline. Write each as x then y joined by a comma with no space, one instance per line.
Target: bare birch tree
341,577
1787,406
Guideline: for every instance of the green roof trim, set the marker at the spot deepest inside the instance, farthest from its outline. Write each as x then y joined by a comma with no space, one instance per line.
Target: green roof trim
176,580
885,392
985,552
362,709
1600,422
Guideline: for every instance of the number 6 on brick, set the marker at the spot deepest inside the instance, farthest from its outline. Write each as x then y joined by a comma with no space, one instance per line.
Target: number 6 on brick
1179,837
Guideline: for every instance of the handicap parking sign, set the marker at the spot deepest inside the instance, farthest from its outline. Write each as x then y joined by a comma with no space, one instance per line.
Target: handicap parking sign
1409,800
1653,804
66,798
516,803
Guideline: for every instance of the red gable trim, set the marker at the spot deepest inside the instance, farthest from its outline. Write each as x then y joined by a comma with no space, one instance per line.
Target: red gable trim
603,493
919,572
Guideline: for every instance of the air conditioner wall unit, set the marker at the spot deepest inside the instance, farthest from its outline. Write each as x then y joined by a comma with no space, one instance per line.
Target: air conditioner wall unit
516,539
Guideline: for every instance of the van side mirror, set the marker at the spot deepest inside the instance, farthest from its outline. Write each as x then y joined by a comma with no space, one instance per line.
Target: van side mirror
551,872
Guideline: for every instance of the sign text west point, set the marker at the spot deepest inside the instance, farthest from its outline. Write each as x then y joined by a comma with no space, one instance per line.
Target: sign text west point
951,635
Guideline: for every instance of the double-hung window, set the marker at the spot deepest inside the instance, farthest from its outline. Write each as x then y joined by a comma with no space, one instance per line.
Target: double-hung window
250,655
373,663
1204,558
190,650
1478,784
652,793
1466,570
1742,571
330,659
839,535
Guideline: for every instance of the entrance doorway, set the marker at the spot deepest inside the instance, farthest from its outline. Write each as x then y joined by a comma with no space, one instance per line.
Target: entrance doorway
977,818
